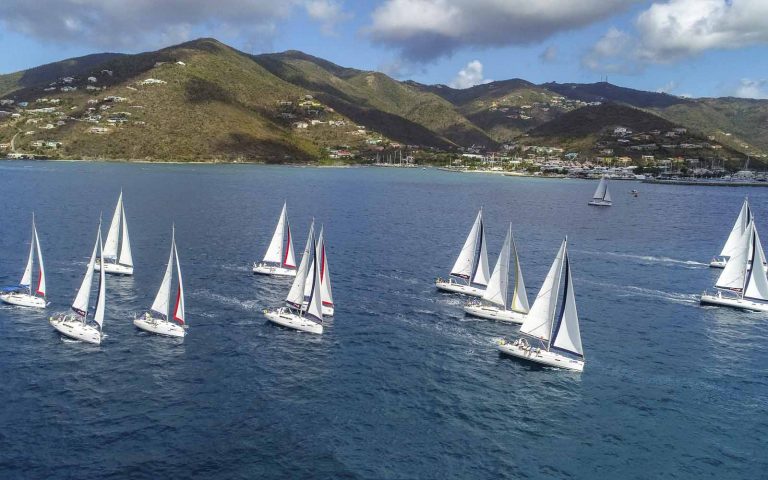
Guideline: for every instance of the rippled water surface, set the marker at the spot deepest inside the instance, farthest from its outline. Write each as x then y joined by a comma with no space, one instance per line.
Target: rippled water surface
402,384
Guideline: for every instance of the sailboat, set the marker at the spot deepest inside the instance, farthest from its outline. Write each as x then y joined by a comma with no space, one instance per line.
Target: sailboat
326,294
279,259
732,243
76,325
294,314
552,323
117,247
22,295
471,267
743,283
493,304
156,320
601,197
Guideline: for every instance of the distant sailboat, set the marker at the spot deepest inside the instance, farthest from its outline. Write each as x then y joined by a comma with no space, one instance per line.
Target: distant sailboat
493,305
601,197
553,322
297,315
471,266
117,246
279,259
76,325
23,295
157,319
743,283
734,238
326,294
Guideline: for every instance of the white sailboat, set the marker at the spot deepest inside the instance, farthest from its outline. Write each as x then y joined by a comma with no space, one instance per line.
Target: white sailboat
76,325
493,304
295,314
742,284
470,272
326,294
117,247
732,243
157,320
23,295
601,197
280,258
552,322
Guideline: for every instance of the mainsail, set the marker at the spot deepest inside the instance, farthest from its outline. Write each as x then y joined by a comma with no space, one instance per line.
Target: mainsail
117,246
80,304
601,193
519,295
464,266
538,322
314,309
98,315
742,222
734,273
565,332
296,294
496,291
179,314
41,289
162,299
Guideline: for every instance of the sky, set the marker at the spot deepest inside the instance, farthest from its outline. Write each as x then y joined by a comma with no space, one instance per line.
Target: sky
697,48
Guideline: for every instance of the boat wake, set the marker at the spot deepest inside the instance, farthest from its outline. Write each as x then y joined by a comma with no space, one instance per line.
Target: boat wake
634,291
649,259
247,305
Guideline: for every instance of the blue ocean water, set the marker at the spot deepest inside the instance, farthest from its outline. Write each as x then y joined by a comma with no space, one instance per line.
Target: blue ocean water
402,384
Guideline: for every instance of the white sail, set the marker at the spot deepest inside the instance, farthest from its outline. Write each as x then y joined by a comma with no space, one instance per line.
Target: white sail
289,257
565,334
734,273
519,295
80,305
26,278
757,282
275,250
126,257
464,266
742,221
113,235
538,322
326,292
98,315
602,187
296,294
162,299
180,312
607,196
41,288
482,273
315,303
496,291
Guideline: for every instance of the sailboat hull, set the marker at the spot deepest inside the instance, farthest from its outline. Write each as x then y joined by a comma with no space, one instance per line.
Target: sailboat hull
159,326
286,318
266,269
718,262
494,313
542,357
599,203
732,301
455,287
73,327
114,268
20,299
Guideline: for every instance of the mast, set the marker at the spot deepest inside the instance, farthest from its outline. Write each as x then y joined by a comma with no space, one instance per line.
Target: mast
41,287
26,278
295,297
98,315
180,312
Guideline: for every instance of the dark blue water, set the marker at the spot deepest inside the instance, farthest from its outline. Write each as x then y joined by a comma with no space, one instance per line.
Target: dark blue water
401,385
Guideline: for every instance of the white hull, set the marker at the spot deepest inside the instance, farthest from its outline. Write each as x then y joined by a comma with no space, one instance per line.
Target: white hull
20,299
599,203
537,355
113,268
733,302
159,326
494,313
454,287
287,318
265,269
73,327
718,263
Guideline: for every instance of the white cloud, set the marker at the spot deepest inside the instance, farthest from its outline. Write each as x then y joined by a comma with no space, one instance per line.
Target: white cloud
328,12
749,88
549,55
470,76
424,30
611,54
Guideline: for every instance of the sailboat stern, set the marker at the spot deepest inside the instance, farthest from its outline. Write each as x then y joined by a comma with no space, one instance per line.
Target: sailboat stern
73,327
23,299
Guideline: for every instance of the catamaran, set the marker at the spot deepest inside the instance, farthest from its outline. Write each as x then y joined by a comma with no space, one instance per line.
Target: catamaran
601,197
471,268
294,314
326,294
493,304
279,259
117,247
742,284
76,325
23,295
734,238
156,320
552,323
